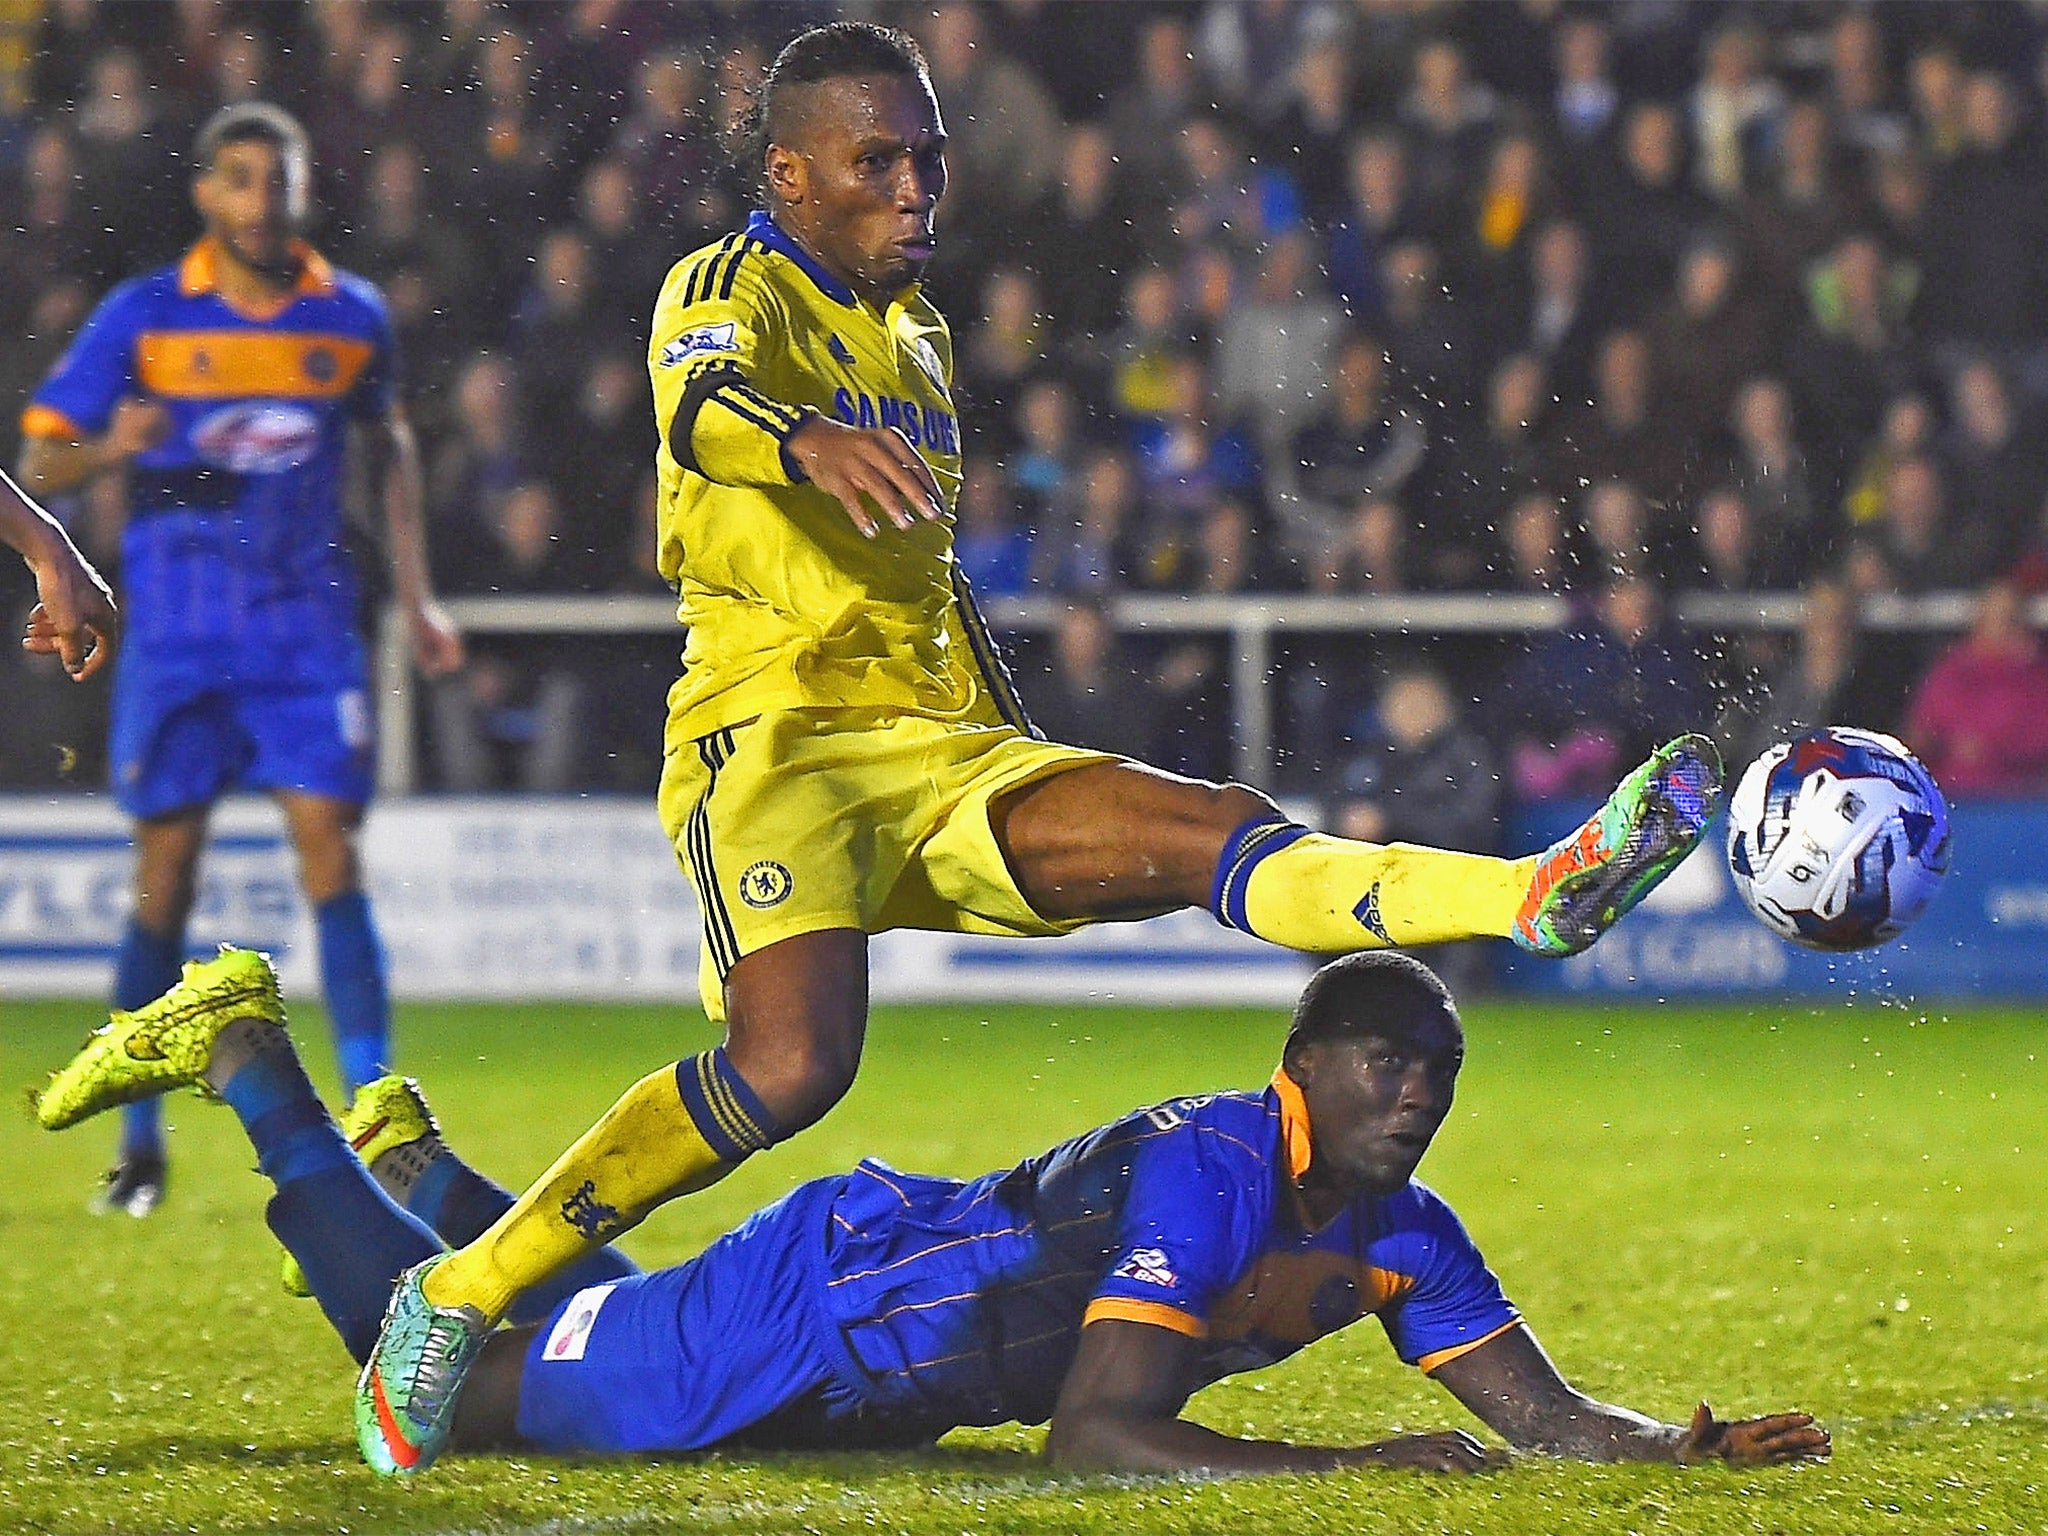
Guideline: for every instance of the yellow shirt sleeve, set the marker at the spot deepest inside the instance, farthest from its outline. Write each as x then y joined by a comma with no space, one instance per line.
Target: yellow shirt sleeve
715,319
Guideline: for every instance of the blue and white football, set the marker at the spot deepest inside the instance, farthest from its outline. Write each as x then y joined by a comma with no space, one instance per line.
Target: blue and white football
1838,840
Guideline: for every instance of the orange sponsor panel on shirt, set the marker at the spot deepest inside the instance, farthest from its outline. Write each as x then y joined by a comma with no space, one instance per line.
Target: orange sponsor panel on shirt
229,365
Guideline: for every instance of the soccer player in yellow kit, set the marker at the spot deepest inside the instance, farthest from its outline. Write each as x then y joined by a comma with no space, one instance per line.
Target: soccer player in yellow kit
844,751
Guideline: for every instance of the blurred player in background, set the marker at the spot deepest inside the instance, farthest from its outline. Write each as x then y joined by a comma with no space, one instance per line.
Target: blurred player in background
1099,1285
845,753
226,387
74,618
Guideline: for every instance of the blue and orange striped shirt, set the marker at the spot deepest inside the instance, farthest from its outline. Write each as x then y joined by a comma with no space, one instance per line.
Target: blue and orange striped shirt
963,1303
235,520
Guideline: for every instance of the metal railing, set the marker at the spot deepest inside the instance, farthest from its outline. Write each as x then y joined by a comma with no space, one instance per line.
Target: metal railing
1251,624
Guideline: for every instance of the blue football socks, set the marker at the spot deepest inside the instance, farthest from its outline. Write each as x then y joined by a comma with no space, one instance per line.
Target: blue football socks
350,1239
147,967
352,973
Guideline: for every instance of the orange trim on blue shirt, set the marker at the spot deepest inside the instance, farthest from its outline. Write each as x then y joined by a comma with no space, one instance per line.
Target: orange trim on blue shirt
198,274
1437,1357
1294,1131
48,421
218,365
1123,1310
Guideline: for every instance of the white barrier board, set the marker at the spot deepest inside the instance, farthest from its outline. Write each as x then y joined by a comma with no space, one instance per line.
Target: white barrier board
537,898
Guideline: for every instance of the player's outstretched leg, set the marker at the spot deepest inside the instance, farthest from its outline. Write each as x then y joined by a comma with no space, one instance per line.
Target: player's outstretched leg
1587,882
1310,891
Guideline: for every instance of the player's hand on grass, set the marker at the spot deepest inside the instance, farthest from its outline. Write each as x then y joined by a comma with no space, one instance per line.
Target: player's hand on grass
136,427
1450,1450
1778,1437
74,618
859,466
437,648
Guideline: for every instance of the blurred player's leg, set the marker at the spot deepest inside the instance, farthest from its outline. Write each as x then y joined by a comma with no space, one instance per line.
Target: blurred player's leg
352,962
152,946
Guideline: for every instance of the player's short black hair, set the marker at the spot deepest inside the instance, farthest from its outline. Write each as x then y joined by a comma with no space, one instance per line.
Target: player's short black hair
837,51
258,122
1375,992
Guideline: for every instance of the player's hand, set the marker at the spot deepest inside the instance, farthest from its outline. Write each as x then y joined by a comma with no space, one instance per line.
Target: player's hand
74,618
437,648
136,427
1778,1437
859,465
1450,1450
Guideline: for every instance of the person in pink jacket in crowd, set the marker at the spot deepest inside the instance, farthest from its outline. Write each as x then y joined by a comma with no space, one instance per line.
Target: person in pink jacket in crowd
1979,718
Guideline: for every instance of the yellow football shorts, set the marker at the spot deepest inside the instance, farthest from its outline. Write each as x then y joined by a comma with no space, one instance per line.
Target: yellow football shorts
810,819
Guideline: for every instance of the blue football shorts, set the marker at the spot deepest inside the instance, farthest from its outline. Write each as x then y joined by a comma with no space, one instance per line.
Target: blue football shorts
681,1359
186,729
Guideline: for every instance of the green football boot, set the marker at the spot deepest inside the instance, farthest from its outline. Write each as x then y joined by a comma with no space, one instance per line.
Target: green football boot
405,1397
387,1115
164,1045
1587,882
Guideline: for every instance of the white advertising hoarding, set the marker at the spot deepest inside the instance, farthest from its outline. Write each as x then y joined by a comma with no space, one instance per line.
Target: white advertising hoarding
537,898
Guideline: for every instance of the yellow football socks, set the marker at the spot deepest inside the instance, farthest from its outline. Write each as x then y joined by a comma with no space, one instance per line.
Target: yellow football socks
674,1132
1327,895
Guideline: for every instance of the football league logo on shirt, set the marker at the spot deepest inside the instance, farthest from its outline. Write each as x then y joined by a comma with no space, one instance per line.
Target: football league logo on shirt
571,1334
705,338
1147,1266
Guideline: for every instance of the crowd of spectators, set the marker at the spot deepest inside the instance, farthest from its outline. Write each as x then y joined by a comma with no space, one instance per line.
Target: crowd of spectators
1609,301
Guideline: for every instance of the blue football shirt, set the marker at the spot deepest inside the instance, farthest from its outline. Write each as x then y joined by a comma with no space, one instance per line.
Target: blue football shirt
235,521
964,1302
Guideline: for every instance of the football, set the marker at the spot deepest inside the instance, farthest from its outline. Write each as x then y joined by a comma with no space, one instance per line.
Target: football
1838,840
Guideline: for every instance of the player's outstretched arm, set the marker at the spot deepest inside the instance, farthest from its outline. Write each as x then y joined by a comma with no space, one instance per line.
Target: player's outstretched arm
395,470
1512,1386
74,618
1119,1410
52,464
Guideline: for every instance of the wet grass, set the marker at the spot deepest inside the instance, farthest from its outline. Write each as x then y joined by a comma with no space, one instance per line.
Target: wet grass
1832,1209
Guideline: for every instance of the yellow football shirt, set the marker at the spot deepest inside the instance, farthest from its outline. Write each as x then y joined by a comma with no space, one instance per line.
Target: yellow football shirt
788,605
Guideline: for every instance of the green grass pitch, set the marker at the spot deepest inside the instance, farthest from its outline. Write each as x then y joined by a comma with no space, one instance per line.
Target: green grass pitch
1836,1209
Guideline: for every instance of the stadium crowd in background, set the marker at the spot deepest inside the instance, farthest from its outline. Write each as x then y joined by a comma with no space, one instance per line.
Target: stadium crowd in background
1608,301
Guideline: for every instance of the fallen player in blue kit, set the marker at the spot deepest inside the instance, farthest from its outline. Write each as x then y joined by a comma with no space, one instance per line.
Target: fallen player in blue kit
1097,1286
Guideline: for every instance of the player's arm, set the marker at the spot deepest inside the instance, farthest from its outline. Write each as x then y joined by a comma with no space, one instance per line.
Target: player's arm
74,617
1119,1411
394,461
715,320
57,457
1510,1384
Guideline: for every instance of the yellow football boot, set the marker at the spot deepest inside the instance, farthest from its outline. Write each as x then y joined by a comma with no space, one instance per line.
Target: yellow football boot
165,1045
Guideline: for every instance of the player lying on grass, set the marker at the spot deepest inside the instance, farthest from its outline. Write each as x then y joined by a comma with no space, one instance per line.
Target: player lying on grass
1099,1285
74,618
845,754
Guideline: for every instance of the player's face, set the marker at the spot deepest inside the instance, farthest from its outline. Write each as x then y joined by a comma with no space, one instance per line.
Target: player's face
862,183
1375,1103
251,200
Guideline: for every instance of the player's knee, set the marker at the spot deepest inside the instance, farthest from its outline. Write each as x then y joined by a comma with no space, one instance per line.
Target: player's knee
327,865
800,1077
